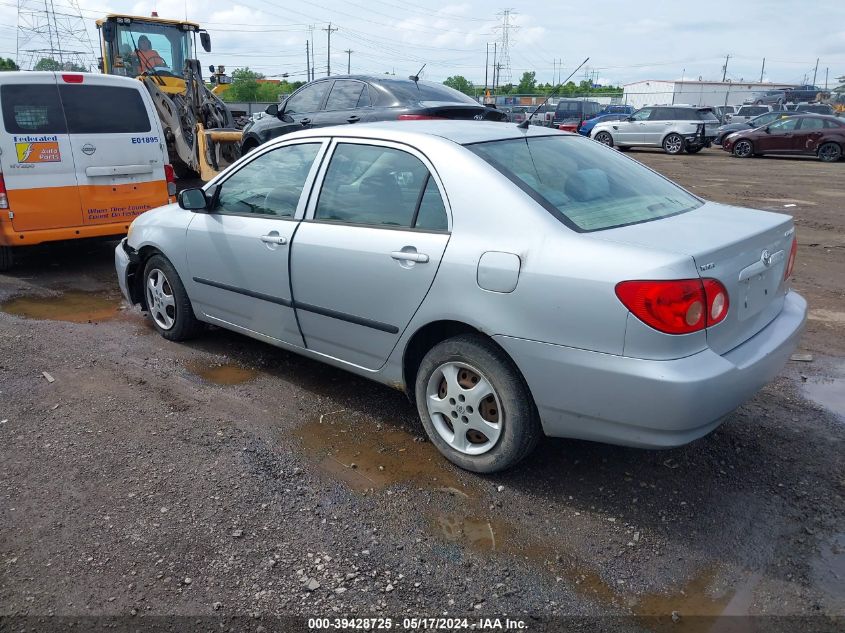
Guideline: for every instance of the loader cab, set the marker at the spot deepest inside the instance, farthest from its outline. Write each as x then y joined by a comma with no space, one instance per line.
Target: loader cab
135,47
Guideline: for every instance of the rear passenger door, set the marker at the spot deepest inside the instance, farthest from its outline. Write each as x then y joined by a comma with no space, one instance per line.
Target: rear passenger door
367,253
118,147
344,104
36,155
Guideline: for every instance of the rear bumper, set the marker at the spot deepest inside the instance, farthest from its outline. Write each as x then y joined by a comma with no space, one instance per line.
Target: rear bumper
648,403
10,237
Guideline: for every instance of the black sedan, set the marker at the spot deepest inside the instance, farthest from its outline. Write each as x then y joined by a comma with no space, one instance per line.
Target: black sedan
351,99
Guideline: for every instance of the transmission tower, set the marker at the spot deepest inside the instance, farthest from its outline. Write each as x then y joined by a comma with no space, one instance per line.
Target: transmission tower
504,62
43,32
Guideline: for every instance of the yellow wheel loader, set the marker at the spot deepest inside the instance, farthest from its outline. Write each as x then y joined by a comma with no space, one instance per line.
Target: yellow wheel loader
199,128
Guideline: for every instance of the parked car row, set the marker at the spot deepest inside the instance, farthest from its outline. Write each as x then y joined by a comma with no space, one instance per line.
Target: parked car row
803,134
674,128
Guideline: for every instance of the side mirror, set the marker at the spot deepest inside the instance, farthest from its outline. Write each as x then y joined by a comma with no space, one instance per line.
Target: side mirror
272,109
766,130
205,40
108,31
192,199
211,67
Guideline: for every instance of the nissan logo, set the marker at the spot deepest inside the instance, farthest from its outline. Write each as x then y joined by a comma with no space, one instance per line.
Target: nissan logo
88,149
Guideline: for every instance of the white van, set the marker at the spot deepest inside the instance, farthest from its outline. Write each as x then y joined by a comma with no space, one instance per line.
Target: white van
81,155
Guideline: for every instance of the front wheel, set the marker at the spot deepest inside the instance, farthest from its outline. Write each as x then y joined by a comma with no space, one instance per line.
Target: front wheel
475,405
6,259
604,138
673,143
743,149
830,152
167,301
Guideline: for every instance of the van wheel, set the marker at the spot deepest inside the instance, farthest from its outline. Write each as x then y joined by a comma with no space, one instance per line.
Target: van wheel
6,259
475,405
166,300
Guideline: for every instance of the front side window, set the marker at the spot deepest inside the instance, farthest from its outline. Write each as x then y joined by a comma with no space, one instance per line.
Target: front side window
308,99
583,184
379,186
32,109
270,185
147,47
784,125
641,115
104,110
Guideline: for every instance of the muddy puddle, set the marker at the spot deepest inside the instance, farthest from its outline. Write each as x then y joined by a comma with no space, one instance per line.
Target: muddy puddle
222,373
828,391
73,306
365,454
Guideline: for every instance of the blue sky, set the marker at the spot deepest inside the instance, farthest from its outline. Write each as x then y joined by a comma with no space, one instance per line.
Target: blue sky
626,41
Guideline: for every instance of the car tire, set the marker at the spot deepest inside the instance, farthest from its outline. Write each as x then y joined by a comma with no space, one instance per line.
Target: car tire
183,172
623,148
6,259
743,149
830,152
486,431
604,138
694,150
673,143
167,302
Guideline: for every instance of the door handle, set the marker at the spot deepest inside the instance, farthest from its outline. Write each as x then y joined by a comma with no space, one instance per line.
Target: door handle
403,256
354,118
274,239
305,121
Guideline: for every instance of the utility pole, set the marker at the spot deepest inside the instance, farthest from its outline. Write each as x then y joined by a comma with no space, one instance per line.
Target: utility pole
311,75
763,70
494,67
329,30
348,52
816,71
307,60
486,67
725,68
825,77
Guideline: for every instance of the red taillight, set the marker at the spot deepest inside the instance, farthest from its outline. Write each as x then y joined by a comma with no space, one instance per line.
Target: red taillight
170,176
790,263
73,79
418,117
4,200
677,306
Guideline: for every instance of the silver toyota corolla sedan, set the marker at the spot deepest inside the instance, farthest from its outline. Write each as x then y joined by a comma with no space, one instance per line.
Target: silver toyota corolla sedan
514,282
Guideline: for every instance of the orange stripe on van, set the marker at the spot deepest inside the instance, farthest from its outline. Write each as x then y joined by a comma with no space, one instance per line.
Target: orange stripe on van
61,207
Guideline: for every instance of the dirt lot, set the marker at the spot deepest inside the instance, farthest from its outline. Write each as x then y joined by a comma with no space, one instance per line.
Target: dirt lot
225,478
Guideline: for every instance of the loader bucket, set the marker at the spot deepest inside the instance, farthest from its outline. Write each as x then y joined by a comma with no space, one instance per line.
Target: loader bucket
218,148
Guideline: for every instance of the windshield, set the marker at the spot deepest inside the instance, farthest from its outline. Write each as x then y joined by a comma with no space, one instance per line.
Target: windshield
145,47
584,184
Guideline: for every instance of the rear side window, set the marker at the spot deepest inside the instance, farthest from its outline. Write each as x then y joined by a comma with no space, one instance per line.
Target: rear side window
583,184
32,109
104,110
344,95
412,92
379,186
706,115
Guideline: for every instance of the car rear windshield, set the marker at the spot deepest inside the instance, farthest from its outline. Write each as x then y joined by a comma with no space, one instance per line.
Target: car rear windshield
409,91
587,186
752,110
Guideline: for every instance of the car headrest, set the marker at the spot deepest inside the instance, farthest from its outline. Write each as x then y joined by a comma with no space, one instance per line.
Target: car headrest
587,184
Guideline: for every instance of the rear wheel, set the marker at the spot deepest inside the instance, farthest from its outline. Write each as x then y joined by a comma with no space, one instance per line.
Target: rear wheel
830,152
6,259
183,172
604,138
475,405
743,149
167,301
673,143
694,150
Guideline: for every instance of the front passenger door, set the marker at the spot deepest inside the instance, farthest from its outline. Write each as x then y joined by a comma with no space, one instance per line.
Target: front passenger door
365,257
304,106
238,251
629,130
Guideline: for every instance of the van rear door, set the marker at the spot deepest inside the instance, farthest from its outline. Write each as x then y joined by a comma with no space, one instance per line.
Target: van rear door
35,154
117,144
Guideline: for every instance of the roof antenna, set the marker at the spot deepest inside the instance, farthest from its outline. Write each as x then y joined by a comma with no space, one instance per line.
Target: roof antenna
416,78
524,124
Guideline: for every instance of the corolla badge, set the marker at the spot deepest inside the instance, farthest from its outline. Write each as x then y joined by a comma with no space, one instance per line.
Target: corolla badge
88,149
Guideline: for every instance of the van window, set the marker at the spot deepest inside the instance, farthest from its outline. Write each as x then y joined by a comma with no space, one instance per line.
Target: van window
32,109
104,110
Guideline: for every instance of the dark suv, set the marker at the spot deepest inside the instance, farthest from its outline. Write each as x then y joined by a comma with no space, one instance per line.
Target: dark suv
357,98
573,112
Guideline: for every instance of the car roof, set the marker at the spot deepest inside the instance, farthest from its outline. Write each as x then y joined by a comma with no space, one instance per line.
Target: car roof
460,132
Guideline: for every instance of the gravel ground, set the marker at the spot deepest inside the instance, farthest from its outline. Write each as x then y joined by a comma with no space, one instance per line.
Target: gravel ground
226,479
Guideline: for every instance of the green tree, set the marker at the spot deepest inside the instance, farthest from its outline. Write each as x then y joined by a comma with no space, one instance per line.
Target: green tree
7,64
460,83
528,84
48,63
244,86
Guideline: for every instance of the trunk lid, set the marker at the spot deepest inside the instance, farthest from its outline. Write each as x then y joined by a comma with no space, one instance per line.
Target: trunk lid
745,249
461,111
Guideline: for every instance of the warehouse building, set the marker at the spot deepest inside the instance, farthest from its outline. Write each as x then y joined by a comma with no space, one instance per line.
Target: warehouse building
702,93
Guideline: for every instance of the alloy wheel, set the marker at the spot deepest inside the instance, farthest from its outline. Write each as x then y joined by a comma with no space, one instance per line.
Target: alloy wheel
743,149
464,408
604,138
160,300
673,144
830,152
